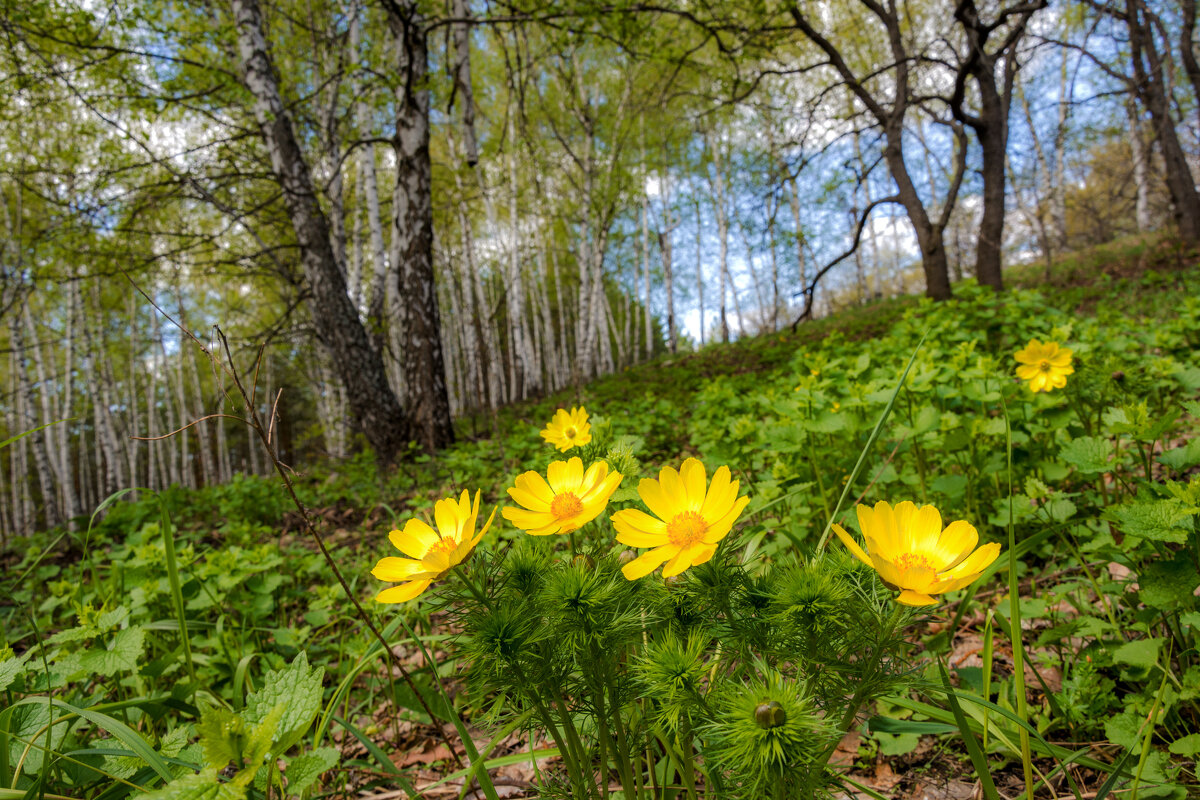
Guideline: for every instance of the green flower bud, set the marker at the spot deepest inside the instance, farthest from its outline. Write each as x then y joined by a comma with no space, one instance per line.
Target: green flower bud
770,714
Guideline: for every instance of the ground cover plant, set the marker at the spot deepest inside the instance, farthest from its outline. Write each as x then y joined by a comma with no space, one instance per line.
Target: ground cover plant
864,558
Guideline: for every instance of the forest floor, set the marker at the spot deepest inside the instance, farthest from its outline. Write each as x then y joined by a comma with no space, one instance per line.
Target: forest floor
256,587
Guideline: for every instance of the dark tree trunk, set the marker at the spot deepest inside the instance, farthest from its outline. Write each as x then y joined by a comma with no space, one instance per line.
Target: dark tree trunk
993,141
1187,53
412,234
1148,82
929,234
890,117
991,124
377,412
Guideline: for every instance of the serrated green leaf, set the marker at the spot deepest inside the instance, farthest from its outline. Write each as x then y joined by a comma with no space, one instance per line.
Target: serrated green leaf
1060,509
228,738
204,786
1187,746
1088,454
1124,729
222,734
10,668
122,653
303,771
1158,520
27,721
297,688
1141,653
1184,457
1168,584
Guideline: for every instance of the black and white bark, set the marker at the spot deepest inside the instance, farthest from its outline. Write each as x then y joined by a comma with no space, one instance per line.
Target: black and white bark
359,366
412,276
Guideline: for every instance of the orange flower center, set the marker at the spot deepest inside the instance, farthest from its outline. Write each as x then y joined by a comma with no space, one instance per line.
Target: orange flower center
914,561
571,433
565,505
445,545
1044,366
686,528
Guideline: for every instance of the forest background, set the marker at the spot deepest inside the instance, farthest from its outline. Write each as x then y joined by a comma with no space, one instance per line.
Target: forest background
409,212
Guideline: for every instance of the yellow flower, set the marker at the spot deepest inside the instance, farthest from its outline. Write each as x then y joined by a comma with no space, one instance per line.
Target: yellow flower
568,429
1045,366
690,520
567,502
912,554
433,553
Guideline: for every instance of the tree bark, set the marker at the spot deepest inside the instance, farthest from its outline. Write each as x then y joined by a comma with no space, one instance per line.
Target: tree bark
359,366
412,233
1148,82
37,440
890,117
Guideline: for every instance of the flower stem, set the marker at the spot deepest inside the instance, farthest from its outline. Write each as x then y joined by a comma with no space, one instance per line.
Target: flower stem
568,756
868,677
470,584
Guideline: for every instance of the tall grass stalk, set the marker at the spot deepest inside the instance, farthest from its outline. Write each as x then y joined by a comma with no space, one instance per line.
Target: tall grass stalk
1014,614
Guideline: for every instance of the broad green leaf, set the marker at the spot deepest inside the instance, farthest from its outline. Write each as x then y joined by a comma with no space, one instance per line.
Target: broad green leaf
1184,457
297,688
1187,746
1088,454
122,653
1139,653
204,786
28,721
1124,729
10,668
304,770
1169,584
1158,520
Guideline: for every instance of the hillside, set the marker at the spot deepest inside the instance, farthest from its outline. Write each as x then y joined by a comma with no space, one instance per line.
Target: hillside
173,605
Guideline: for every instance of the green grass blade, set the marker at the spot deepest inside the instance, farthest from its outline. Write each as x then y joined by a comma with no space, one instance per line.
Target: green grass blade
978,759
118,729
1014,612
862,456
176,586
30,432
485,780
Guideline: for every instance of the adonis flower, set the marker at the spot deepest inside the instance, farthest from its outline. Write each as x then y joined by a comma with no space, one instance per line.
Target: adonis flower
1045,366
692,517
565,500
913,555
568,429
432,553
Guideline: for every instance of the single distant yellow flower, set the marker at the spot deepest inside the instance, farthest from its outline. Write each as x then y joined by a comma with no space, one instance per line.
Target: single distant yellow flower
1045,366
692,517
433,553
565,500
568,429
913,555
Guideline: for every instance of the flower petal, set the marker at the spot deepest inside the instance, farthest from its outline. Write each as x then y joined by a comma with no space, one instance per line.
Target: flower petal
719,529
926,527
403,593
955,544
415,539
694,481
852,545
649,561
911,598
719,498
395,570
652,494
685,558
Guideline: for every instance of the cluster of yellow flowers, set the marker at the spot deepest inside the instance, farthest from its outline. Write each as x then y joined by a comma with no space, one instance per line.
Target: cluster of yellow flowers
689,516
